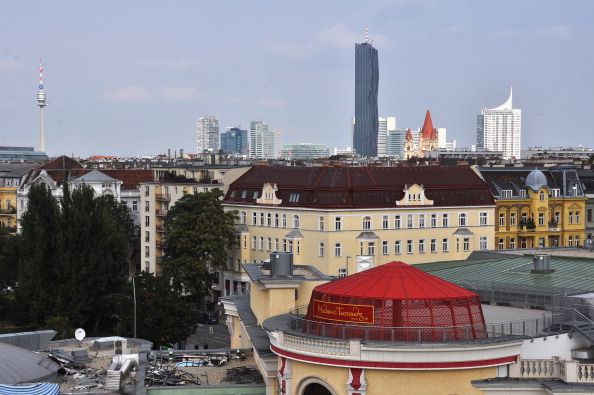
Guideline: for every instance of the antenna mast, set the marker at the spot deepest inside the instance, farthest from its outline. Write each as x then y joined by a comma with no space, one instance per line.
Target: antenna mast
41,103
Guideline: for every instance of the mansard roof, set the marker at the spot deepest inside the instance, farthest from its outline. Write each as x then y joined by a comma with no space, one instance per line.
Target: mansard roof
361,187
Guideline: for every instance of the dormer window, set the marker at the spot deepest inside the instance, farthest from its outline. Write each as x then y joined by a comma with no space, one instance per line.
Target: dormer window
244,194
522,193
256,195
555,192
506,193
294,197
414,195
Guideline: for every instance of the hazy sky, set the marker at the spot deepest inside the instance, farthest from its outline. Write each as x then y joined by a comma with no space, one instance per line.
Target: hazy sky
132,77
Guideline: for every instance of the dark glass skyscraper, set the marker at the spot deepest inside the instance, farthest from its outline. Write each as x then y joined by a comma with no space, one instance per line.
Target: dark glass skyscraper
235,141
366,84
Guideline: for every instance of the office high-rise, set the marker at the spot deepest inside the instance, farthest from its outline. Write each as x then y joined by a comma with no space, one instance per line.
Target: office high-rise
500,129
366,86
234,141
207,134
261,141
385,126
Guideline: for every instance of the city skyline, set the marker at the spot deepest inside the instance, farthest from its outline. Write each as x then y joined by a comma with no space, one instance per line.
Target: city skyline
132,78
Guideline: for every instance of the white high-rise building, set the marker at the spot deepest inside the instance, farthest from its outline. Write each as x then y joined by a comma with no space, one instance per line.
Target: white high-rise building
207,134
500,129
261,141
385,126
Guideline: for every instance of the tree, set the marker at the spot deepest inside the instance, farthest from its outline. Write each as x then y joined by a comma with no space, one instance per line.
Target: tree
74,257
198,235
163,316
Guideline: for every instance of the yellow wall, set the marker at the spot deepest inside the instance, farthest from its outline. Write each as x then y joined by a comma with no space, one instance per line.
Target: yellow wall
8,205
379,382
352,226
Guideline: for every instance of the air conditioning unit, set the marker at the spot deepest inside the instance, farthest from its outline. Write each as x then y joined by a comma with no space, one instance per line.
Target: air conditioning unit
120,346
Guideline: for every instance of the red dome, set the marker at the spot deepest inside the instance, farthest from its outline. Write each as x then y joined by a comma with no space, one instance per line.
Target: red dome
395,301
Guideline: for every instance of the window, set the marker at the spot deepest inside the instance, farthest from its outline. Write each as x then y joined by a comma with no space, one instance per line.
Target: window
337,249
298,247
462,219
512,219
409,221
134,205
577,240
466,244
366,223
421,246
321,249
243,217
501,219
433,245
338,223
385,222
445,221
571,217
397,247
261,219
421,220
384,247
557,216
409,246
512,243
147,190
522,193
483,221
147,220
276,245
254,238
269,219
290,244
542,196
254,218
570,243
276,220
295,222
506,193
501,245
284,220
320,223
445,245
269,244
294,197
147,266
434,220
147,205
541,219
397,222
589,214
147,236
261,243
342,272
577,217
285,248
371,248
147,251
483,243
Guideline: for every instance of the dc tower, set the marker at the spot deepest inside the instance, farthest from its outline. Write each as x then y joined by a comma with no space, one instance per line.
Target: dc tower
41,103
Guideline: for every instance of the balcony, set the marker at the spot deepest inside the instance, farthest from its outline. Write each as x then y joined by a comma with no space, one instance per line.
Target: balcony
8,211
162,197
570,371
161,212
160,228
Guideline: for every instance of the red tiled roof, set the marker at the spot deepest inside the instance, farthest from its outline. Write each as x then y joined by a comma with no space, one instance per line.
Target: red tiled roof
427,130
131,178
361,187
62,163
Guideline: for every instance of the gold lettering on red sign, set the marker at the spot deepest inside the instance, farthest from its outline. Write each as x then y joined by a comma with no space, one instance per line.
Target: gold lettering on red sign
343,312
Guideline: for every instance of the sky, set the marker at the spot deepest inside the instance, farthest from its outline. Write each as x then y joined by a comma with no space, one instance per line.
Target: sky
132,78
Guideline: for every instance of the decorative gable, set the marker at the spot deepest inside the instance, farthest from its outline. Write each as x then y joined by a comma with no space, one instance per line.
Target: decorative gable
268,195
414,196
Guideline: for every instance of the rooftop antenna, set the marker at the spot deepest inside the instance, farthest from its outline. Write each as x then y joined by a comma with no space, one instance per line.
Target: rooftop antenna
41,103
366,35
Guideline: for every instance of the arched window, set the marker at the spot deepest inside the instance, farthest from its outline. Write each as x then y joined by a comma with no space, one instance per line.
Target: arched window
295,221
366,223
542,195
243,217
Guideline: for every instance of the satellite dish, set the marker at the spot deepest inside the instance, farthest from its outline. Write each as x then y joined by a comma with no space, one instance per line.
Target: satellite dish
79,334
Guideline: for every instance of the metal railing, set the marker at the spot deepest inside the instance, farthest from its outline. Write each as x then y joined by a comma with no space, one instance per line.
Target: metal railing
299,324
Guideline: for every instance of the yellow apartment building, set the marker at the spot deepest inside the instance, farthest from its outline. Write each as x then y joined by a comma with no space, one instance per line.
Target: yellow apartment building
343,220
8,216
537,208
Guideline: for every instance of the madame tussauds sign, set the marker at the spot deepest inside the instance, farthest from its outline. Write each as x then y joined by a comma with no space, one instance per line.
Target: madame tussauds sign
342,312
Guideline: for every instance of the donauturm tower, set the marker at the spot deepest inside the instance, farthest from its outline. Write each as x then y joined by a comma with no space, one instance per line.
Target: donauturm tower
41,103
366,86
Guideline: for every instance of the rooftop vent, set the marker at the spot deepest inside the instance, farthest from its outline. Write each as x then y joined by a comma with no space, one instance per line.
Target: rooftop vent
281,265
541,263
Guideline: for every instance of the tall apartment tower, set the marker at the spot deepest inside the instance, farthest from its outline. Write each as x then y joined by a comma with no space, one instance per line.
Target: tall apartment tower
261,141
207,134
366,85
234,141
385,126
500,129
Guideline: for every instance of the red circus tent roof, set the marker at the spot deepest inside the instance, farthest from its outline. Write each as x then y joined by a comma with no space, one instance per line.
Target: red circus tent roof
394,280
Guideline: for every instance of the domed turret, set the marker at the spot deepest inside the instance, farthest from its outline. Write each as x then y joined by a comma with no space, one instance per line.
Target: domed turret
536,180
